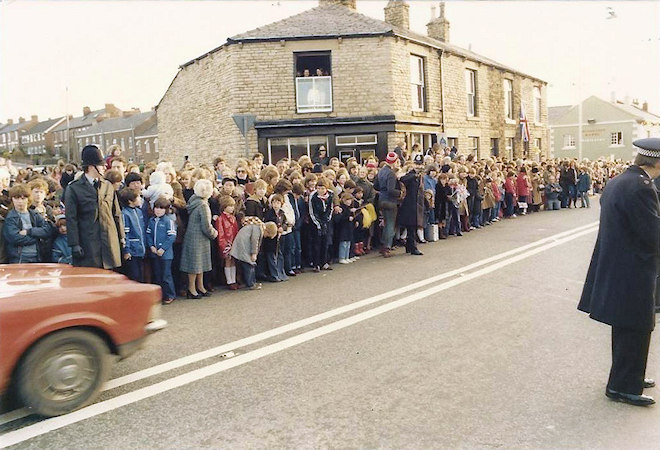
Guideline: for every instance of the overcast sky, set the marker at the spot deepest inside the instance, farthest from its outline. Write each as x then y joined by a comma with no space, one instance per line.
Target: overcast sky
127,52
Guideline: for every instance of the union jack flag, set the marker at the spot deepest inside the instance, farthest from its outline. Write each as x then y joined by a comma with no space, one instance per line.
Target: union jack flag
524,125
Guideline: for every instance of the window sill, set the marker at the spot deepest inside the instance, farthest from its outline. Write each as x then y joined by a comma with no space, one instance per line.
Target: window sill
472,118
568,148
617,146
509,122
420,113
538,124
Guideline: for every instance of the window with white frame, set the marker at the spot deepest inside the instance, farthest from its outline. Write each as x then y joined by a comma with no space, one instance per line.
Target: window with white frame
510,147
569,141
313,81
508,99
471,90
537,105
473,146
537,143
156,145
147,146
293,147
616,138
417,88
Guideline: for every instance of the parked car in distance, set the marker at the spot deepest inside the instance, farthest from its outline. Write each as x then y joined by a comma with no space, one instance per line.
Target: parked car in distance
61,327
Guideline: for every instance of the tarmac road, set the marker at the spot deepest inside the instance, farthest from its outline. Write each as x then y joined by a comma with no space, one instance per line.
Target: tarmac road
486,350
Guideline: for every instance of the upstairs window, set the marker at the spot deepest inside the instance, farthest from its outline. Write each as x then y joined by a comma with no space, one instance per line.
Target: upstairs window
417,87
616,138
508,99
471,90
569,141
313,82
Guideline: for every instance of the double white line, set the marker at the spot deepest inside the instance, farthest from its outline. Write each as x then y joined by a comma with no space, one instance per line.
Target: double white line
505,259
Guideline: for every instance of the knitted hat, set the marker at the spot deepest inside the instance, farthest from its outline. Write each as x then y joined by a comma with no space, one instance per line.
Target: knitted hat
372,165
391,158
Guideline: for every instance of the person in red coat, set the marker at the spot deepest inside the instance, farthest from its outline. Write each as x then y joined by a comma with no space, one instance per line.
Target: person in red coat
227,227
523,184
510,194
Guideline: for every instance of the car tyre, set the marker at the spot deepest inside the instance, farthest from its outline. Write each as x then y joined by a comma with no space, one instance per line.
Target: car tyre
63,372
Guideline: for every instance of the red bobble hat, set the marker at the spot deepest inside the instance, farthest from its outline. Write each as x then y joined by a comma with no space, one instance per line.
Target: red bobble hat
391,158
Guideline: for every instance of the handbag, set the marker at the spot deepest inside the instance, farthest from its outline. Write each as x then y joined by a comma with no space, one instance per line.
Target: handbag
431,232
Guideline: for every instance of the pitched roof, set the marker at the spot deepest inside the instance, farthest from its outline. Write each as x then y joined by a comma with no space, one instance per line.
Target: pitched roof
151,131
556,112
118,124
333,21
18,126
639,113
42,127
81,121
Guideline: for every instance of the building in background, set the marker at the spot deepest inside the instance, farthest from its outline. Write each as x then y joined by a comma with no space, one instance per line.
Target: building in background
122,131
331,76
12,133
39,140
608,128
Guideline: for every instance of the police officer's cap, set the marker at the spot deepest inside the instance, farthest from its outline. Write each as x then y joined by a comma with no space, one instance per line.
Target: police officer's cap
648,147
91,156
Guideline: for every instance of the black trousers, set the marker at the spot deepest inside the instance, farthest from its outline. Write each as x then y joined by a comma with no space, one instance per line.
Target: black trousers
630,350
411,239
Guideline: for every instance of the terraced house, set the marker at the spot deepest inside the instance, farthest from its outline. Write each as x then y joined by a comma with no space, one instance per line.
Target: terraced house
332,76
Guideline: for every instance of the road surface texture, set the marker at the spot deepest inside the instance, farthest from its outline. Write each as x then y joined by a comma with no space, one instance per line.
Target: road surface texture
476,344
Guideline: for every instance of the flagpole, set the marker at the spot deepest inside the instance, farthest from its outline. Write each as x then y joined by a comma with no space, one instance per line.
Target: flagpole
66,111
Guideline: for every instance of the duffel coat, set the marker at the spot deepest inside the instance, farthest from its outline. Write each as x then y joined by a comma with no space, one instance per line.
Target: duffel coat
411,211
94,221
196,253
621,281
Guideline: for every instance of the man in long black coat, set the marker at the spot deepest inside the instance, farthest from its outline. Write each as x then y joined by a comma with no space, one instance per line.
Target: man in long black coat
620,285
411,211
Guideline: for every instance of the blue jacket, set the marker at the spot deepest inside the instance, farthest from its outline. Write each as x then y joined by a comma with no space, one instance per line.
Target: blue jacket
387,185
161,233
134,230
61,250
14,242
584,182
299,210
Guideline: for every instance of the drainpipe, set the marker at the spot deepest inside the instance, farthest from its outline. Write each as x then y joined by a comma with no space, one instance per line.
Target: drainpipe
442,91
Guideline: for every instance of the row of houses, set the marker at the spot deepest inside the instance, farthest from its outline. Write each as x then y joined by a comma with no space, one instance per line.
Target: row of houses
136,132
355,84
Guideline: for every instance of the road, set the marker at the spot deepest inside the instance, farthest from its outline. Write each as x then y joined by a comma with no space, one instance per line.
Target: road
476,344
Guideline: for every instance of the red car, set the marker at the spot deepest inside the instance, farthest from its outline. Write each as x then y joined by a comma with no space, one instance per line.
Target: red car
60,326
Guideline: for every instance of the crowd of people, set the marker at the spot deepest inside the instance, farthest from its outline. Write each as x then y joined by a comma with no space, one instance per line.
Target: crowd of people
194,229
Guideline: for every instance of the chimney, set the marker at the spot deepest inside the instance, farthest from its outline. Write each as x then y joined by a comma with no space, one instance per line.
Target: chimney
21,120
86,110
635,102
645,106
438,27
10,121
347,3
397,14
35,119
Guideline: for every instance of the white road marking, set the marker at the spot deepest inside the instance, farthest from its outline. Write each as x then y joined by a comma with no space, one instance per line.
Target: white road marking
215,351
55,423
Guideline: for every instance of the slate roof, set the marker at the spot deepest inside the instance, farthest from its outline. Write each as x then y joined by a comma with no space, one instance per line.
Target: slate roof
81,121
639,113
17,126
151,131
42,127
118,123
333,21
556,112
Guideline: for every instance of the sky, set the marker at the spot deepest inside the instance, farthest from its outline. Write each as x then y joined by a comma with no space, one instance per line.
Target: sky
58,56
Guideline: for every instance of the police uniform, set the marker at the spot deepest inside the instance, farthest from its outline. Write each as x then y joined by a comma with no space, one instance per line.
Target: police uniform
621,281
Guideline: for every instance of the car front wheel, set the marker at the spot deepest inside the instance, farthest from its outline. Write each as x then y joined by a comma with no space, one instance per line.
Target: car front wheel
63,372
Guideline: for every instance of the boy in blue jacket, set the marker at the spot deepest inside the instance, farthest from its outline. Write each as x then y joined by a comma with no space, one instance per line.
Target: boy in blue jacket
134,249
161,233
61,251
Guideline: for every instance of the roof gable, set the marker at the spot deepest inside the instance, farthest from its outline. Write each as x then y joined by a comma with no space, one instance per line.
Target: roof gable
43,127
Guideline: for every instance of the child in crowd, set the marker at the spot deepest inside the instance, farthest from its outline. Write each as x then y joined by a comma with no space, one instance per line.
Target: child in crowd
158,187
300,212
552,192
160,236
245,247
271,246
320,213
134,248
344,226
429,214
454,201
23,228
583,186
257,204
442,199
61,251
227,227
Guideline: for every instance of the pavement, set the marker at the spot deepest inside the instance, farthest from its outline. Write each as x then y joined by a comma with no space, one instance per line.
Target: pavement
460,348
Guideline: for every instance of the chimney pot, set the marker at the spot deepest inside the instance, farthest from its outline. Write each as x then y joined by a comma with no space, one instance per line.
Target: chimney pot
86,110
21,119
35,118
438,27
645,106
10,121
433,16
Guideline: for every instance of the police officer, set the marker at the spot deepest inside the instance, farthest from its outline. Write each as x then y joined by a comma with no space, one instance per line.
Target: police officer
95,228
620,285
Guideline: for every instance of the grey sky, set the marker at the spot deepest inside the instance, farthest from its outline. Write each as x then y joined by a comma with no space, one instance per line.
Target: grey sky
127,53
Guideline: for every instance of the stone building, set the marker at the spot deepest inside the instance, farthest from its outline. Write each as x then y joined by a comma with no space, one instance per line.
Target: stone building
40,138
608,128
358,85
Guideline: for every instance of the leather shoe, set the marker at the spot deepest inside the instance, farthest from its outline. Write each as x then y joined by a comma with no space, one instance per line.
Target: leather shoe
416,252
649,383
631,399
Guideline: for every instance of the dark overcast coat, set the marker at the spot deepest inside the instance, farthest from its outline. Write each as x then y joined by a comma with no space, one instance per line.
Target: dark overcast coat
620,285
